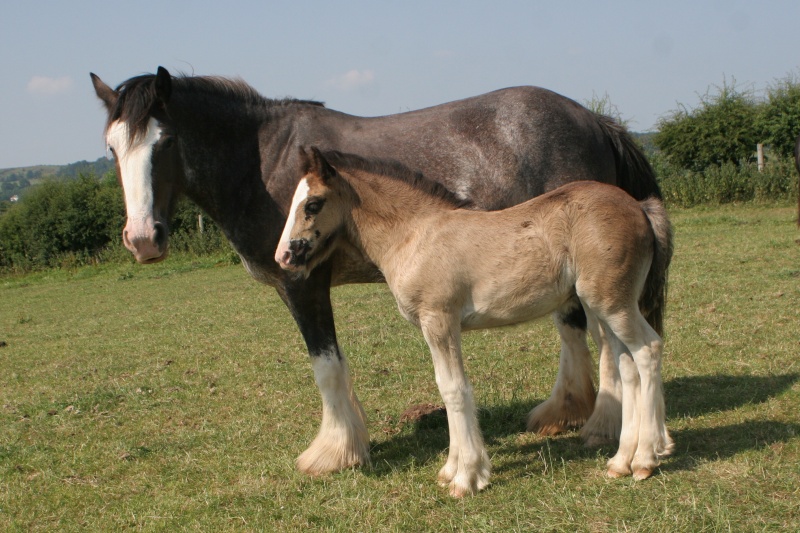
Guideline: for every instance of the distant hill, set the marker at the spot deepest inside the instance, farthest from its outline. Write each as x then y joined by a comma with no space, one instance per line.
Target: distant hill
14,181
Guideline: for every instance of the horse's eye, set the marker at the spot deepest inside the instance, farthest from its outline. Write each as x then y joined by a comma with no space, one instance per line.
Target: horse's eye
168,142
314,207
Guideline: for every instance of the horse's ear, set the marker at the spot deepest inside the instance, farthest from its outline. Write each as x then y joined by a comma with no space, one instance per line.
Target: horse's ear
105,93
163,84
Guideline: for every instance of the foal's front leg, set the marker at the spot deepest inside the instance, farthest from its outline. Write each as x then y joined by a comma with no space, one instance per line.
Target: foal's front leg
342,440
467,468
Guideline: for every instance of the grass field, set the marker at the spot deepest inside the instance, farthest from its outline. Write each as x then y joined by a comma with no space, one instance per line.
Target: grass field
177,396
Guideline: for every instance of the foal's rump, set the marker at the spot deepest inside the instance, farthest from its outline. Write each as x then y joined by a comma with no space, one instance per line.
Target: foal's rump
612,240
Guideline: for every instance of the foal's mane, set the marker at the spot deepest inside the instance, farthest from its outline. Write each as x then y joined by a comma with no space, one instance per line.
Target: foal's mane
137,96
396,171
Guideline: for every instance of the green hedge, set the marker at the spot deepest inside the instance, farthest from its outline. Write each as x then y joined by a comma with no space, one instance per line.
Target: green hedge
74,222
726,183
70,223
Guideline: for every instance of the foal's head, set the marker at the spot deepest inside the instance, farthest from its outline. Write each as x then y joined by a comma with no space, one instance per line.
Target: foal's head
317,215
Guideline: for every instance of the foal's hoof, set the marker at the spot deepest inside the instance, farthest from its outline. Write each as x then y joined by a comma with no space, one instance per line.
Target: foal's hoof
642,473
616,475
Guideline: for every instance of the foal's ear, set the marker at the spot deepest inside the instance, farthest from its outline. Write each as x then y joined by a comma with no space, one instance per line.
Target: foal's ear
105,93
163,84
324,169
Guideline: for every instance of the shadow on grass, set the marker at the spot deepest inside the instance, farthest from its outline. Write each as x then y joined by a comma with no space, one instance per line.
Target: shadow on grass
428,439
698,395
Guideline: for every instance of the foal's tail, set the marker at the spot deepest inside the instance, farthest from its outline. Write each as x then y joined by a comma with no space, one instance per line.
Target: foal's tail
653,300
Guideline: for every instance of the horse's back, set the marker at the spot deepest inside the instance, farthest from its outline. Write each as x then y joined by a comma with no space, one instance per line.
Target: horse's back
497,149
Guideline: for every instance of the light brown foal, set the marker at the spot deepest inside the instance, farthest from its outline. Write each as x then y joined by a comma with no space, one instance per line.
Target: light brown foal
452,269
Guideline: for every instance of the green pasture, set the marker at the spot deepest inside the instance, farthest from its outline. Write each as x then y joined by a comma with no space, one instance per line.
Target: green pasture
177,396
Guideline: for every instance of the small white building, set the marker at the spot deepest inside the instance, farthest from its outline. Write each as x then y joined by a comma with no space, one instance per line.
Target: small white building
14,198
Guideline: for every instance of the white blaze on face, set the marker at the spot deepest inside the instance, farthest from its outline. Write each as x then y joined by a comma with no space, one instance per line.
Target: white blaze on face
136,167
300,194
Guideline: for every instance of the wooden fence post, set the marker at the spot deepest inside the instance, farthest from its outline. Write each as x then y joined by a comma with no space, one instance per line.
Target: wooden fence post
760,156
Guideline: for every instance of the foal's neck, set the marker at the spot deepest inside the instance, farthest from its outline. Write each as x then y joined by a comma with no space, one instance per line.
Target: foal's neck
388,212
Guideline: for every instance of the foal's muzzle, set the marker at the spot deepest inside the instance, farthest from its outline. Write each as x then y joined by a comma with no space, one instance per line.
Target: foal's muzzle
297,254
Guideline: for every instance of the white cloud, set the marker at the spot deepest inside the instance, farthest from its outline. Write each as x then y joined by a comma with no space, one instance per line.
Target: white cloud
46,85
351,80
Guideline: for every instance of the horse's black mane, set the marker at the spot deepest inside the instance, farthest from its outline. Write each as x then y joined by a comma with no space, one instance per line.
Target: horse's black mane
397,171
137,97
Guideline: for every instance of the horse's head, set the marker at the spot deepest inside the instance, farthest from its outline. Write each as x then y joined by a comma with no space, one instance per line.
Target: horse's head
143,141
316,217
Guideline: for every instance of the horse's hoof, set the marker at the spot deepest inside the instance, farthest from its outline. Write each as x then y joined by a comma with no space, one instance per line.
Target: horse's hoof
616,475
458,490
642,473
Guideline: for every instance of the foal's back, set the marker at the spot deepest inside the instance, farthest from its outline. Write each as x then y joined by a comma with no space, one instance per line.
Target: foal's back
526,261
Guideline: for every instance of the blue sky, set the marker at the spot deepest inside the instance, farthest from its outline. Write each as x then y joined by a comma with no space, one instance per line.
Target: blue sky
375,58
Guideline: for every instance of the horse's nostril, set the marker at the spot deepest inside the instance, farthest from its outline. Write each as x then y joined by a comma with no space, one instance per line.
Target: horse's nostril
160,236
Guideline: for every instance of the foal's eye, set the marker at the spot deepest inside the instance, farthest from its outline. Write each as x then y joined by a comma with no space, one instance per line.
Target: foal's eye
313,208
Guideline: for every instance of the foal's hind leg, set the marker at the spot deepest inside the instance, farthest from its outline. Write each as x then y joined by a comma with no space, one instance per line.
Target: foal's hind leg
644,436
572,398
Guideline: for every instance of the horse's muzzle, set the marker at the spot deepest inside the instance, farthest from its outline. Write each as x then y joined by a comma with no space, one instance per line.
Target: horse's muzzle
148,244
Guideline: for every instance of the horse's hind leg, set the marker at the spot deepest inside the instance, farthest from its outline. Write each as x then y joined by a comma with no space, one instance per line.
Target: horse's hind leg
604,426
572,399
467,468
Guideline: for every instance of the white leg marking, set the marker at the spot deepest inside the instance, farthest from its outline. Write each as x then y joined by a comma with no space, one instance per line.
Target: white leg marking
605,424
572,398
342,441
467,468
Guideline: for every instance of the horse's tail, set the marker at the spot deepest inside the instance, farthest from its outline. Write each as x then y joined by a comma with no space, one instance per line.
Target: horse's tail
634,173
653,300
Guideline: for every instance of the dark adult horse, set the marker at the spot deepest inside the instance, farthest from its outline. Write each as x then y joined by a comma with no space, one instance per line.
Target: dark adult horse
236,154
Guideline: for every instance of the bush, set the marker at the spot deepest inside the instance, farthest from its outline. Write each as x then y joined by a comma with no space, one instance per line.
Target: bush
723,130
76,222
780,116
726,183
77,217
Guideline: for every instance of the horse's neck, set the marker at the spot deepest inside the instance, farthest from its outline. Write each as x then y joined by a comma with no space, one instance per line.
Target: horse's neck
223,176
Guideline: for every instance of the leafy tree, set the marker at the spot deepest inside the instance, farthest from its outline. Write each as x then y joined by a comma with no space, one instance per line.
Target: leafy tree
779,119
723,129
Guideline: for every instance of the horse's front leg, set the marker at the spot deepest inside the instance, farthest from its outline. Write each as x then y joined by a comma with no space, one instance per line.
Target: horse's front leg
342,440
467,468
